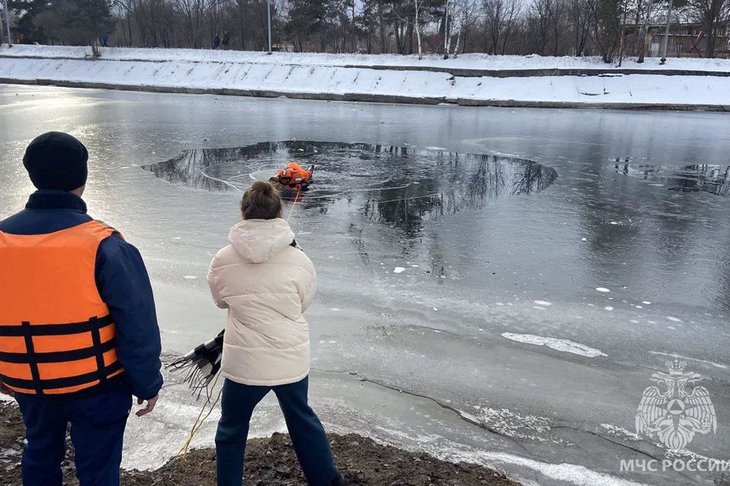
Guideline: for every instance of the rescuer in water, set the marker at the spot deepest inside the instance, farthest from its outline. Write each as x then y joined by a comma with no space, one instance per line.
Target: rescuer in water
293,176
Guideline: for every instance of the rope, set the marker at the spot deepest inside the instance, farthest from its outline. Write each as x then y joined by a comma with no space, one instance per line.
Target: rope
198,422
296,198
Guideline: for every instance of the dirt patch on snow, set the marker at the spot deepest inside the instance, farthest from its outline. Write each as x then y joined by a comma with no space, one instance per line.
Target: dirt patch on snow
271,462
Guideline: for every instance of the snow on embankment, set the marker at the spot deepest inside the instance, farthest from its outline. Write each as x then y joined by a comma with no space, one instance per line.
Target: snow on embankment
469,80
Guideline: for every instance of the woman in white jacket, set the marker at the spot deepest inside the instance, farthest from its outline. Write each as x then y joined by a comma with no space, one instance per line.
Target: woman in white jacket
266,283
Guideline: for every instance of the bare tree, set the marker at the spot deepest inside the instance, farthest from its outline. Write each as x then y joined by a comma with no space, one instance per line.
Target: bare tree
644,15
447,32
418,29
194,14
540,12
713,15
547,15
462,10
558,11
499,17
579,20
606,26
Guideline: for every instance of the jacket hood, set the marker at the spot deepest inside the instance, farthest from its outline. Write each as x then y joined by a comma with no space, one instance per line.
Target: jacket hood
257,240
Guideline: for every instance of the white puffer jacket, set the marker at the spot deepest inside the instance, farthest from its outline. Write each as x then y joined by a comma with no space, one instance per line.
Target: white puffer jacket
266,284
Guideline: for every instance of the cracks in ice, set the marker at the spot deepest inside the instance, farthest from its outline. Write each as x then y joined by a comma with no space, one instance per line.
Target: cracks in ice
466,417
473,420
606,438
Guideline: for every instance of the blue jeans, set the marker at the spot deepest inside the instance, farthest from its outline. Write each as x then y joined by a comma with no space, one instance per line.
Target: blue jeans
306,431
97,432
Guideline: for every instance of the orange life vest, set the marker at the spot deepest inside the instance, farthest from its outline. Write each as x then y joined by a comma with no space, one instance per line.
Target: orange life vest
56,334
293,175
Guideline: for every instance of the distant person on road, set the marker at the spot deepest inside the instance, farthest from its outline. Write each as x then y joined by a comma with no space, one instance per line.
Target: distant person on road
225,41
104,40
78,331
266,282
216,42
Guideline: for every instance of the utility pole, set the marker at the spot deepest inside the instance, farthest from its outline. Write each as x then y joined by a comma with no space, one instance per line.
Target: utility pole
666,33
623,32
418,32
7,22
268,14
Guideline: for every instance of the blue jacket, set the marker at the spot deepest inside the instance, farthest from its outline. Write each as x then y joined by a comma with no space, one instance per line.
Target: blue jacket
121,279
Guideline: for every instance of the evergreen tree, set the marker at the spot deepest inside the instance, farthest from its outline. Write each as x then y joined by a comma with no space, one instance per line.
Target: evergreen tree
74,22
26,30
310,18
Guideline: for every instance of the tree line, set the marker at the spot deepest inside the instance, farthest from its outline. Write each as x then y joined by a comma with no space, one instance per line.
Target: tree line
608,28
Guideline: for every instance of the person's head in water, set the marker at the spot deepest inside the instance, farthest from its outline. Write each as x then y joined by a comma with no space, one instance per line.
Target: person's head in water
57,161
261,201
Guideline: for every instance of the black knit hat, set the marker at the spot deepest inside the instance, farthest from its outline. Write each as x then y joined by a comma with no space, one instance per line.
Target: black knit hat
56,160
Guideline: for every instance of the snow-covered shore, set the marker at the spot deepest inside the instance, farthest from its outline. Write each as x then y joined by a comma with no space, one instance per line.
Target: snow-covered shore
472,80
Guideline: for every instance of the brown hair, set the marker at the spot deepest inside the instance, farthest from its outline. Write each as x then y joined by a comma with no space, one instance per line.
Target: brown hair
261,201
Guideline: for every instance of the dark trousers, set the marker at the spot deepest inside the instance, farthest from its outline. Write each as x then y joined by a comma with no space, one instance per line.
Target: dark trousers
97,432
306,431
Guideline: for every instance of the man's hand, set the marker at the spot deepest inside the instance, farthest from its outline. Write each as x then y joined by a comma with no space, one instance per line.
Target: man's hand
148,408
4,390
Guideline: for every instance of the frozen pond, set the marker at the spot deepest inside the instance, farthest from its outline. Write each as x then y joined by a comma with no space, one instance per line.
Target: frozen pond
495,285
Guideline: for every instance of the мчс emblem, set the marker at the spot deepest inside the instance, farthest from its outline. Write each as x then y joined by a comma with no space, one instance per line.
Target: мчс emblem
672,414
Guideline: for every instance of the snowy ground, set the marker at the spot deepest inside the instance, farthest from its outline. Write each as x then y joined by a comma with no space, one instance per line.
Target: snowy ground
513,330
464,61
379,78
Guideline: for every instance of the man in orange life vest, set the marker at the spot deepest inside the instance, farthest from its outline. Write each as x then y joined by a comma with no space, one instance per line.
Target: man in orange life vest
78,330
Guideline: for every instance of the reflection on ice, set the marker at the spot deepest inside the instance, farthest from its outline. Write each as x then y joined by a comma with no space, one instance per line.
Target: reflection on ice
209,169
394,185
714,179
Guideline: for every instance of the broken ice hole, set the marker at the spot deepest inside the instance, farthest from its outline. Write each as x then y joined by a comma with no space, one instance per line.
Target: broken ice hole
398,186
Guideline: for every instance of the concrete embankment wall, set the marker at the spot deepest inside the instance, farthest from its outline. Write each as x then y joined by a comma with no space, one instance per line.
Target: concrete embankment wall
304,78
